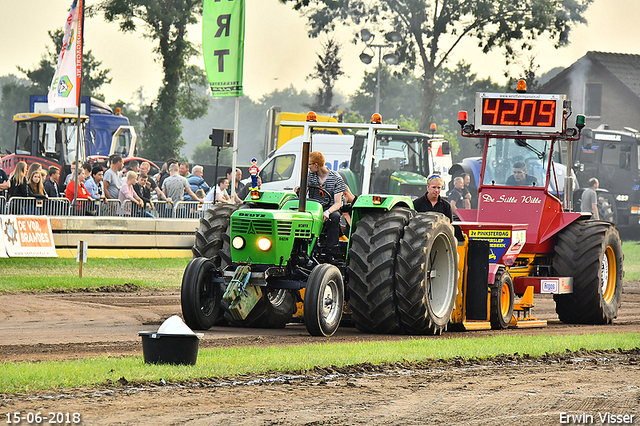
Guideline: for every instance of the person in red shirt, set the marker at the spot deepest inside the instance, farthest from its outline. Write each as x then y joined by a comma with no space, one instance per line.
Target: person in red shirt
85,207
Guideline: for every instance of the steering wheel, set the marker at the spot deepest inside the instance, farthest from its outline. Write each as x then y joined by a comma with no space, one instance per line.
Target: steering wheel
321,194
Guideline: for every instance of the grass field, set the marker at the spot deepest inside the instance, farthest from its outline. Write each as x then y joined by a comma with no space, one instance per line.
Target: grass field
232,362
58,274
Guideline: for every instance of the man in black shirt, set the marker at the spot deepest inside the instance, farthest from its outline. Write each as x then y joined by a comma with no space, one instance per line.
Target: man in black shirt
431,201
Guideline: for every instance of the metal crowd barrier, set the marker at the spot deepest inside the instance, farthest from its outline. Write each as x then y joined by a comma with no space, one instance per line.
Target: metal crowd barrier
38,206
187,210
108,208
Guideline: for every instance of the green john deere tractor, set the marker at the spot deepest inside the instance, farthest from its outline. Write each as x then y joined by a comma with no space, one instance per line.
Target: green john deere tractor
255,262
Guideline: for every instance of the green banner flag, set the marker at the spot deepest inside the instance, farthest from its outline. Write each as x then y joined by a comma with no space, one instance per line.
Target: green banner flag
223,46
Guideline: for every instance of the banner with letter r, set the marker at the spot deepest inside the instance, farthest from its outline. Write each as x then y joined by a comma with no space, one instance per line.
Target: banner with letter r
223,46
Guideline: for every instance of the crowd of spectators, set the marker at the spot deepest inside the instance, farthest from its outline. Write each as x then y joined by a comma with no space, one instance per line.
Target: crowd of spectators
133,186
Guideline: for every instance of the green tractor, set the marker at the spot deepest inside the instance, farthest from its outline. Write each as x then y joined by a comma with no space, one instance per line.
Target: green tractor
256,263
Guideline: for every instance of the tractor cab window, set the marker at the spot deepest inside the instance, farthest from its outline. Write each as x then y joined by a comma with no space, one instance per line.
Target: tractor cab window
279,168
23,139
47,138
617,155
394,153
519,162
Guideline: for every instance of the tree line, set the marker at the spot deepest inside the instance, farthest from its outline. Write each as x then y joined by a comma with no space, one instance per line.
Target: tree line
420,89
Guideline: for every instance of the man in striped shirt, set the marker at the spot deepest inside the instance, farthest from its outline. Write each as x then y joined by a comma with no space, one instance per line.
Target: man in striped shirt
326,186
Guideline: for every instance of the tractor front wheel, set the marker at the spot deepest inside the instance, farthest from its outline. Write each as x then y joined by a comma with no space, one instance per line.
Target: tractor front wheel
502,299
323,300
426,273
591,252
200,295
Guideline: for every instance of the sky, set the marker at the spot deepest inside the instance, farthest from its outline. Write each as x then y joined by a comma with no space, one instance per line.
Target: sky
278,52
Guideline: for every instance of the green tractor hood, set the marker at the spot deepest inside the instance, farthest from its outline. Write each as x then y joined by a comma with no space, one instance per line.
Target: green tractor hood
267,236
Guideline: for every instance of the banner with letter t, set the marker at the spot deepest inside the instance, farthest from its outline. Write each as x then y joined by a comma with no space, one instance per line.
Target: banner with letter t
223,46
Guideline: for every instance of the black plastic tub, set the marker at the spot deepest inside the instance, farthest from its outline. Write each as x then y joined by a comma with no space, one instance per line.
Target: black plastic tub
179,349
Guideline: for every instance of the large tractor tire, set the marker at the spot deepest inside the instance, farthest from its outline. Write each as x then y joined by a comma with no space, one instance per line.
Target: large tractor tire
427,271
371,270
323,300
200,296
502,299
591,252
211,230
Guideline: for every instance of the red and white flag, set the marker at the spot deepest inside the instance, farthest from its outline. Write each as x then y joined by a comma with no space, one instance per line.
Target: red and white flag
64,91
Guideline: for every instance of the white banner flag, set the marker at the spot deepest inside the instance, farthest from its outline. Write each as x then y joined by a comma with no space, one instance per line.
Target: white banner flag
63,92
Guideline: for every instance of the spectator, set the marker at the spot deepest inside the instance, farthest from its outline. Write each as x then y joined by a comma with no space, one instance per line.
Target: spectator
431,200
94,183
456,199
112,178
466,191
164,172
5,184
239,185
184,170
145,167
51,183
196,181
220,192
200,193
175,185
143,190
82,194
18,180
589,200
133,166
35,188
128,193
67,179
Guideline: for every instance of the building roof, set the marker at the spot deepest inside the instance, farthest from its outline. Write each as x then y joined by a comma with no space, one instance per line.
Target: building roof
622,66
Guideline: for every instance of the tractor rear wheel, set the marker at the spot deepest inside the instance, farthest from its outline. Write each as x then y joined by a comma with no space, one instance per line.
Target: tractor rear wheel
211,230
590,252
200,296
371,270
427,271
502,299
323,300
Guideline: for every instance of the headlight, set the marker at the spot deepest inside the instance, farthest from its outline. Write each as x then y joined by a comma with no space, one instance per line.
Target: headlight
264,244
238,243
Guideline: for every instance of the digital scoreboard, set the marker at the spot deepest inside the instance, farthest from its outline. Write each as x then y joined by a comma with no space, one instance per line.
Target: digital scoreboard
519,112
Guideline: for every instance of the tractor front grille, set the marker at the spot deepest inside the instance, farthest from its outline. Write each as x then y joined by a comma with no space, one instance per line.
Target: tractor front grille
303,233
249,226
284,228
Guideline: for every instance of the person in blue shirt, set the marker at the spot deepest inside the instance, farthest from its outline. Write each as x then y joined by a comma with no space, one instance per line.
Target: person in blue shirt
196,181
94,183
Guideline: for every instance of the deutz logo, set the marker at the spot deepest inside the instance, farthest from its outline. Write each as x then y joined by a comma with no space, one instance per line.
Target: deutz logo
252,214
251,230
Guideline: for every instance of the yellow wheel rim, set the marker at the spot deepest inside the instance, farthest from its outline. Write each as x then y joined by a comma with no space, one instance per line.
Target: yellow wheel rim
505,300
608,274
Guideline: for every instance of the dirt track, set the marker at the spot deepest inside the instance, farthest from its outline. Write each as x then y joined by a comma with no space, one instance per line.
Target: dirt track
501,391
